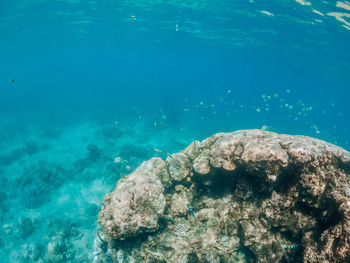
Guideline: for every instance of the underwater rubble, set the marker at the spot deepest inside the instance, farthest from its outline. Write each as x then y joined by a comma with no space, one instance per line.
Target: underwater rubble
246,196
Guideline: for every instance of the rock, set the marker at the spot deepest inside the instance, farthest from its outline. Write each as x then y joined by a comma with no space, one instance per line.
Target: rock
136,204
38,183
196,147
160,170
26,227
246,196
31,252
59,242
179,202
53,252
179,166
201,164
193,150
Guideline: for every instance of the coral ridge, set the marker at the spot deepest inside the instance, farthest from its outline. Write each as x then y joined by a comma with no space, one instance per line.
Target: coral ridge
245,196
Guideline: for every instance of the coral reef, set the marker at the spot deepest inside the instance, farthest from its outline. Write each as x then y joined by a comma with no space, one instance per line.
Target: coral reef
38,183
246,196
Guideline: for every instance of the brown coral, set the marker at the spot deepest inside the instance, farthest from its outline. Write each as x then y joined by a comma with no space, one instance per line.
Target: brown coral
253,193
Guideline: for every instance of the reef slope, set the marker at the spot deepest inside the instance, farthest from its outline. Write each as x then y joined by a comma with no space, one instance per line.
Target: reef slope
246,196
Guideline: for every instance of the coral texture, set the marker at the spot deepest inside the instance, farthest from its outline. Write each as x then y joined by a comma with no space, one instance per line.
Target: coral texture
246,196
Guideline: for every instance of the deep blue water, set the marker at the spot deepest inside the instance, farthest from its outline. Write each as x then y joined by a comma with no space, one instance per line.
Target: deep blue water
84,82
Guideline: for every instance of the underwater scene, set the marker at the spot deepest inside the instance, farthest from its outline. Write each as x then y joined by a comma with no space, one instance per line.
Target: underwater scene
227,120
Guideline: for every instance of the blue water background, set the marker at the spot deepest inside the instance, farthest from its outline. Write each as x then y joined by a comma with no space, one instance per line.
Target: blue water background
83,82
108,61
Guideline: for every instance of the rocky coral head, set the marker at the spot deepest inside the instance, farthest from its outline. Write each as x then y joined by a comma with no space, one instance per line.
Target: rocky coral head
246,196
253,151
134,207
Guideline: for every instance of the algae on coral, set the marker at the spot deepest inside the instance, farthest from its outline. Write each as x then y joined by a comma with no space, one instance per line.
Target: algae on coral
244,196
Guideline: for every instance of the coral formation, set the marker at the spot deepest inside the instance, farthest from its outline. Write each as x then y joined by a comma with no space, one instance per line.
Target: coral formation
38,184
246,196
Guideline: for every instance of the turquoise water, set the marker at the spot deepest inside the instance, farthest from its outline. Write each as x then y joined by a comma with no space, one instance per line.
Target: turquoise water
89,89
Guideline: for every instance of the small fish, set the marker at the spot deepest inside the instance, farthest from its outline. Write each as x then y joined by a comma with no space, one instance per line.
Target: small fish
159,151
13,81
291,246
190,209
